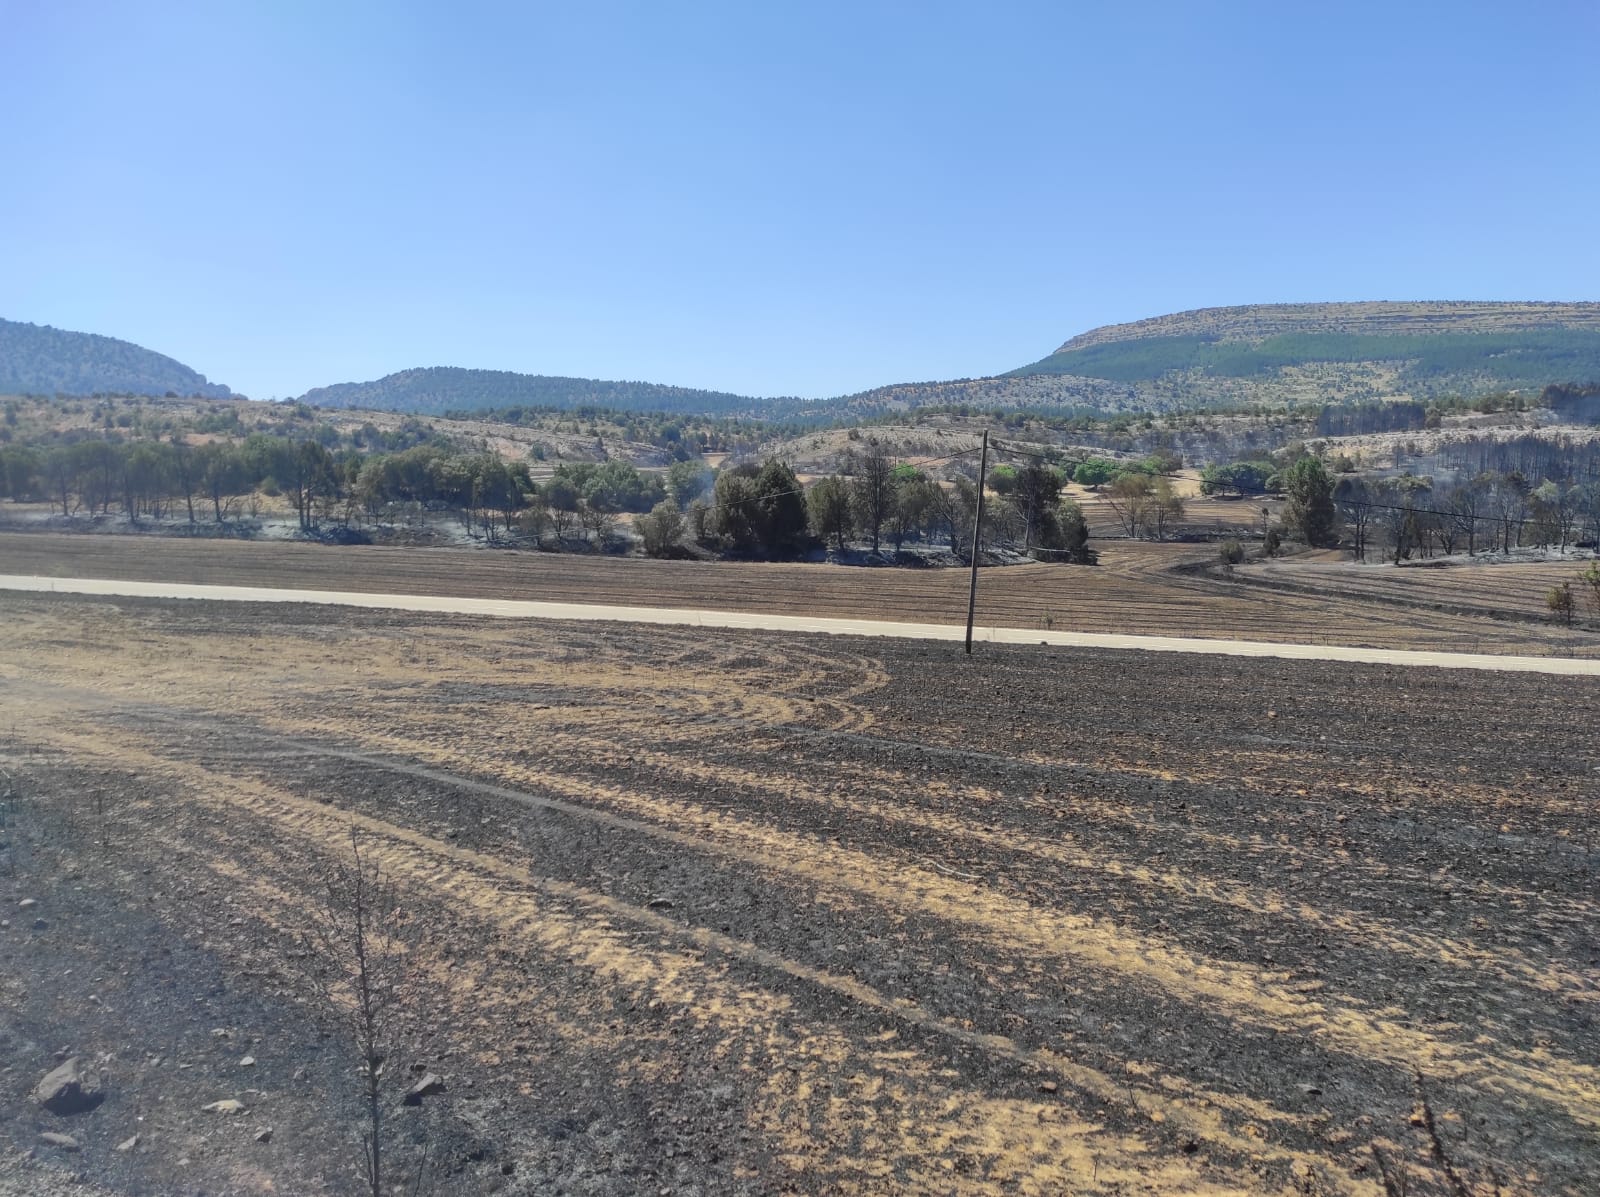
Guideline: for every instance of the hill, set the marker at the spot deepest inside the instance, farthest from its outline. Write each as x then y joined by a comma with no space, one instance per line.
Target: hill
437,389
1337,351
1268,354
36,359
1215,357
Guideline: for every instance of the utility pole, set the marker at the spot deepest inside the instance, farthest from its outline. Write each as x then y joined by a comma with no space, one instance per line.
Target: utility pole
977,525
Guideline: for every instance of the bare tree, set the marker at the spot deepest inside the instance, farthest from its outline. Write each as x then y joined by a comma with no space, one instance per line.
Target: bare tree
1130,496
1469,503
1510,498
1166,507
358,943
1355,498
944,514
598,521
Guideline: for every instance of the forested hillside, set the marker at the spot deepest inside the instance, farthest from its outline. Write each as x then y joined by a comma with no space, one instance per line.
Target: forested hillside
437,389
1269,354
441,389
36,359
1261,356
1349,352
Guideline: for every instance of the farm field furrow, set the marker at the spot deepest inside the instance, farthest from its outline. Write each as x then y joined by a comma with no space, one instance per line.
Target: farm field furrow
749,912
1518,587
1137,589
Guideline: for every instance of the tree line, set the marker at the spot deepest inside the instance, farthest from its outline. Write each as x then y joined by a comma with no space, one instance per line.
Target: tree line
746,509
764,510
877,501
1409,517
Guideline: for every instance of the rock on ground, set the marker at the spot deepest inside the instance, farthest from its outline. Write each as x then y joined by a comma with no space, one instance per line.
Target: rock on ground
68,1090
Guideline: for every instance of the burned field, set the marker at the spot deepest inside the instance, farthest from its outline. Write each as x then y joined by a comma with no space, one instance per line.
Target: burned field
740,912
1139,587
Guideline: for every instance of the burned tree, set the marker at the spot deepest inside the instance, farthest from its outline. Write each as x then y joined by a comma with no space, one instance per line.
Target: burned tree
358,943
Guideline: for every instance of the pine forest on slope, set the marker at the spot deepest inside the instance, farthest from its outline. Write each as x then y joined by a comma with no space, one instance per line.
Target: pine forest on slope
36,359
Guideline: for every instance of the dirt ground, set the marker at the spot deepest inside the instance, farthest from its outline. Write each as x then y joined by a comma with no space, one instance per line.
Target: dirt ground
1483,585
756,913
1139,587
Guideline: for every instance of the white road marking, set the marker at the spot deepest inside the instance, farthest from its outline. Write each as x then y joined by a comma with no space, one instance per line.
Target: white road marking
764,622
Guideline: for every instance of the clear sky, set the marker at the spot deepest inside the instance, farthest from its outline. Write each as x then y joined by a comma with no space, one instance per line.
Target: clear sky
805,198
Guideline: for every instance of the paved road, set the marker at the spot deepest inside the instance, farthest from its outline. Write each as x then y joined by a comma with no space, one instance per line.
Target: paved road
762,621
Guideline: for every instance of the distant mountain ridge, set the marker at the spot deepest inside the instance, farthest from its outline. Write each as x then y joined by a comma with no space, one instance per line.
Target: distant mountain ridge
434,390
1334,352
1256,322
1271,354
1210,357
36,359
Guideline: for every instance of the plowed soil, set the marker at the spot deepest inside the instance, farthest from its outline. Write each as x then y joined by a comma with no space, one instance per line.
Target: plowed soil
1473,587
754,913
1140,588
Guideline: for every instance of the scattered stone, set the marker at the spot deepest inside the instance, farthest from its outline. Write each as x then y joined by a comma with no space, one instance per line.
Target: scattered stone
247,1062
40,925
431,1085
129,1143
68,1090
264,1136
27,904
1190,1146
660,903
231,1105
1048,1087
221,1033
59,1141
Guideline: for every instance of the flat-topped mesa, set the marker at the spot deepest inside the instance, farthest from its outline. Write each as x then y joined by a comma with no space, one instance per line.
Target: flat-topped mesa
1255,322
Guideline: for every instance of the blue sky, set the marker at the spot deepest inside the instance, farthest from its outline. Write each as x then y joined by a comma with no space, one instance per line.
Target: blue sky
771,199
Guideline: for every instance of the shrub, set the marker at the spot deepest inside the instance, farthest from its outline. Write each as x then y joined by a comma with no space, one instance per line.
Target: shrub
1231,553
1591,581
661,529
1561,602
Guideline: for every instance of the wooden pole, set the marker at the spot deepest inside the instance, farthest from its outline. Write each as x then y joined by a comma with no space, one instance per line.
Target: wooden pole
977,526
